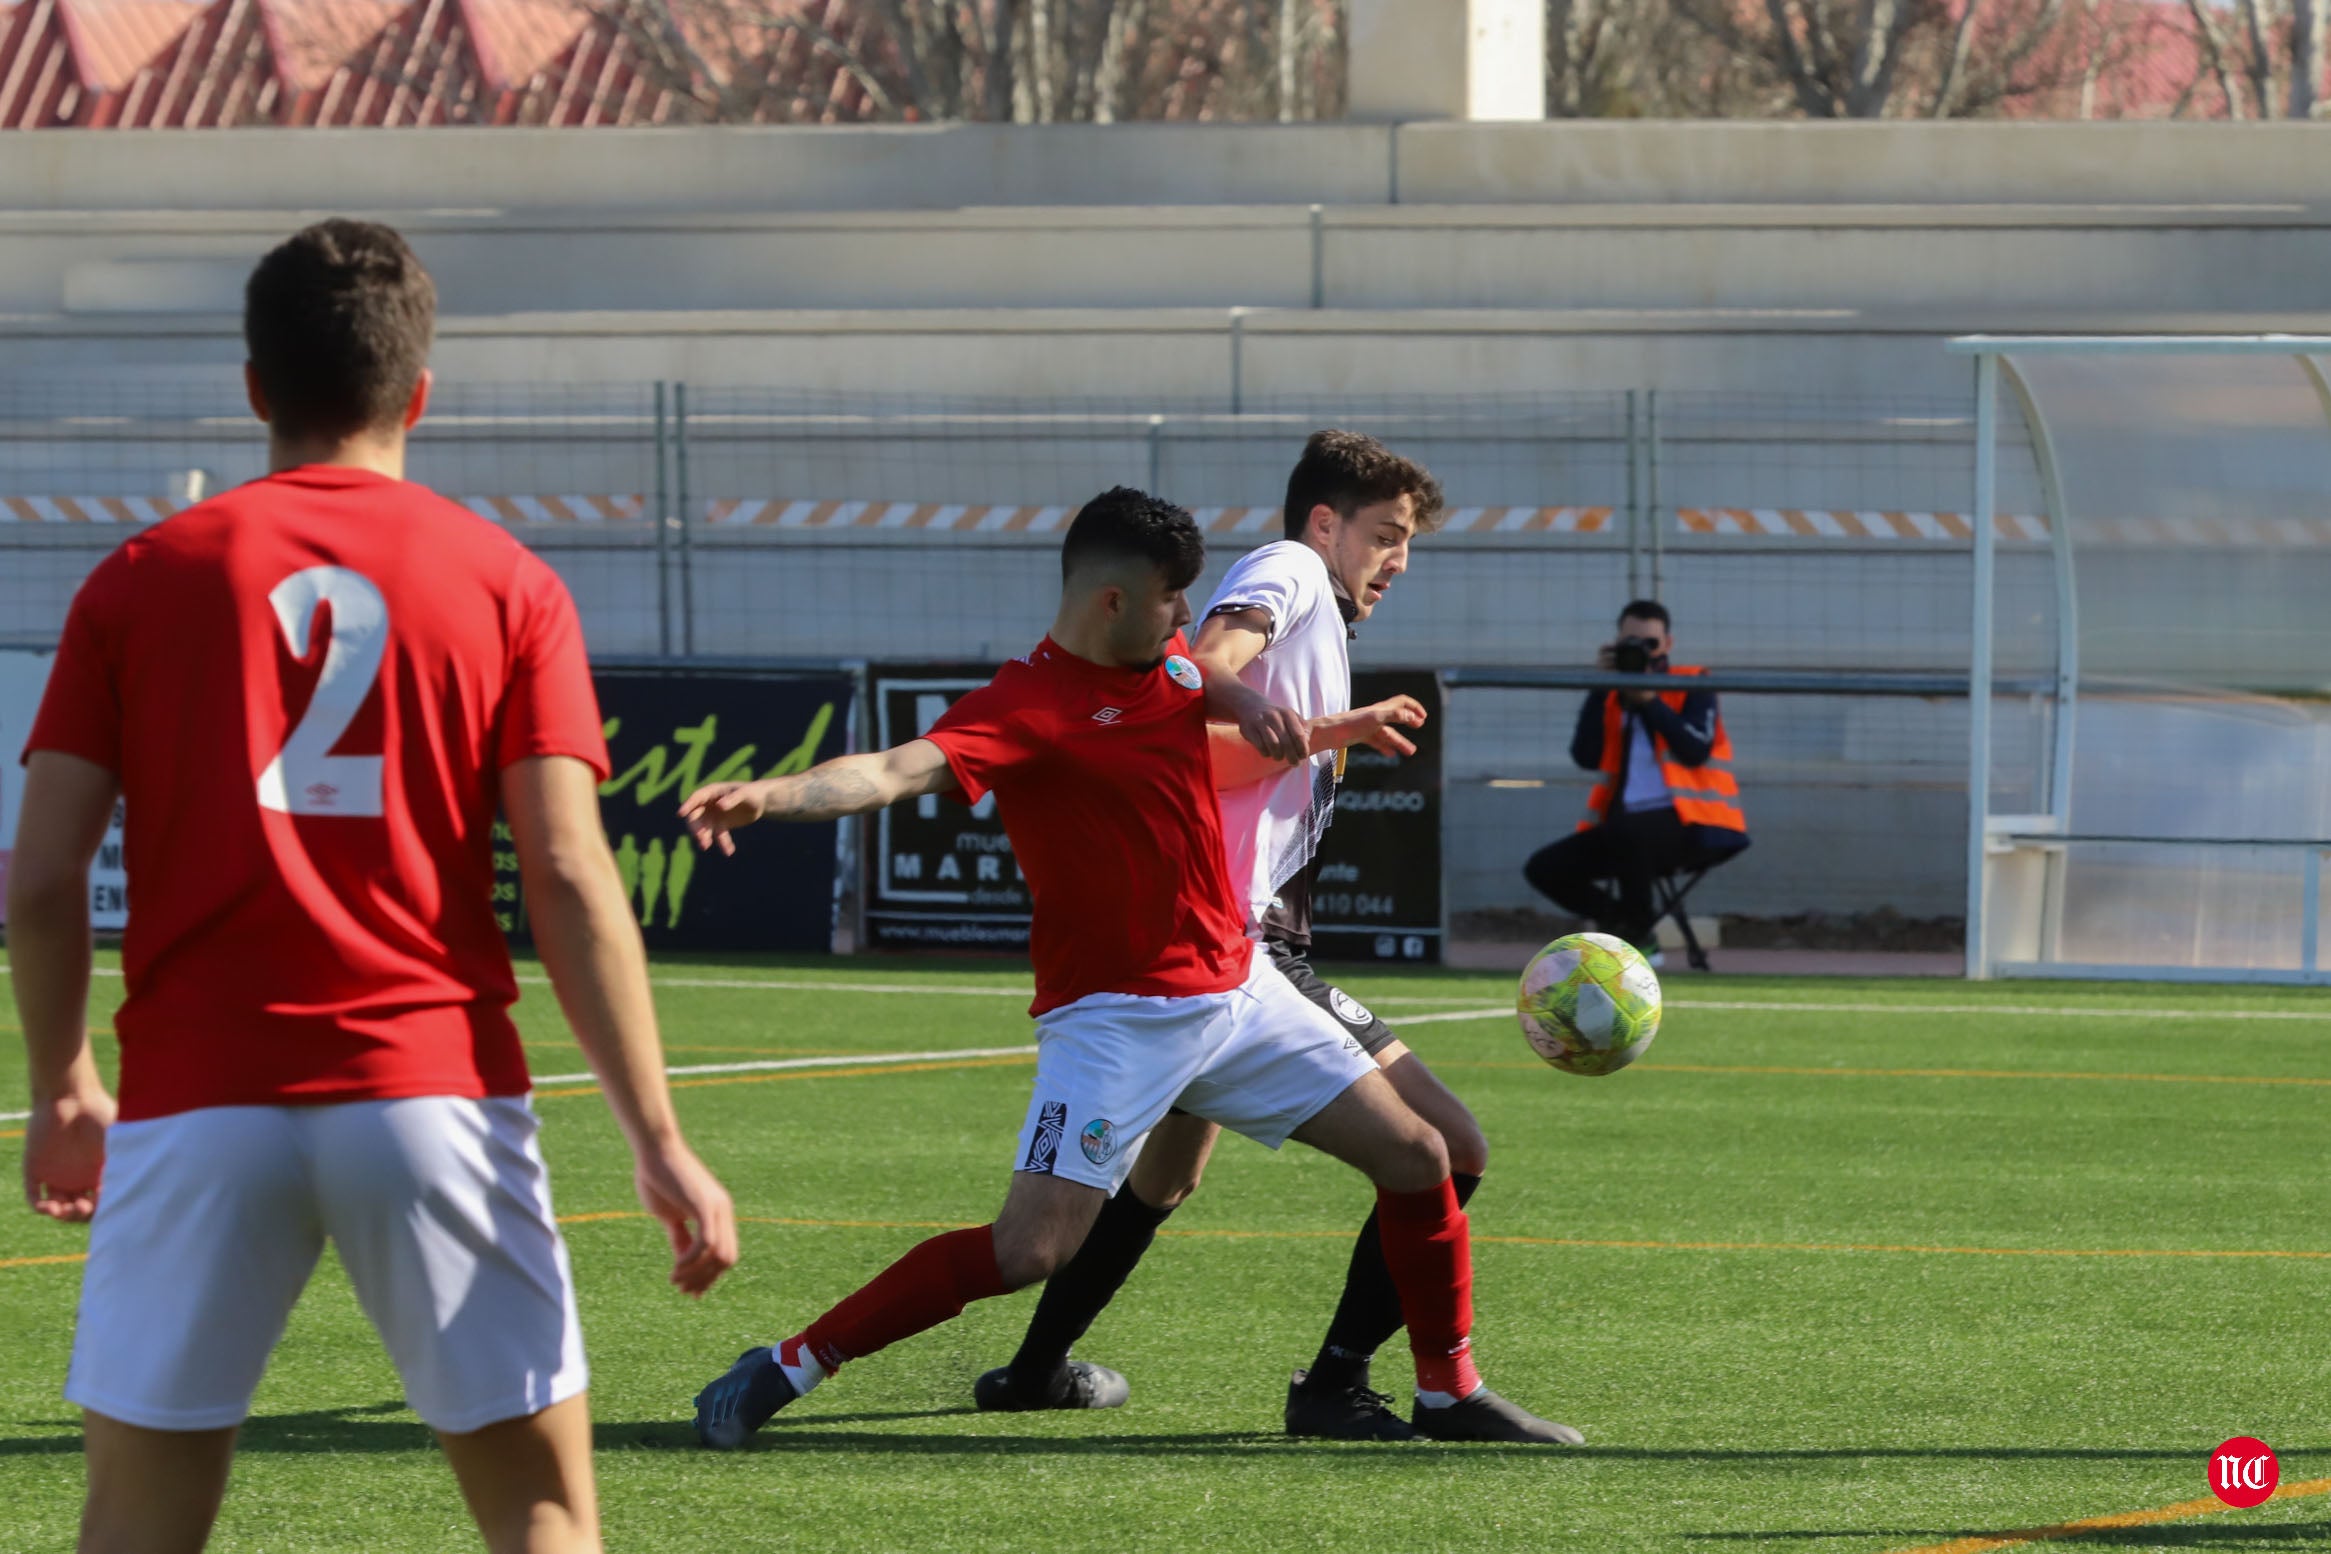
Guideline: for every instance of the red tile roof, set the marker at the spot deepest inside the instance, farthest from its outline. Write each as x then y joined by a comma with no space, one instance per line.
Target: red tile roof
206,63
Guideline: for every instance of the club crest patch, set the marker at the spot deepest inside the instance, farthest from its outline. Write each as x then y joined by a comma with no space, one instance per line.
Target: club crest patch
1349,1009
1183,673
1099,1141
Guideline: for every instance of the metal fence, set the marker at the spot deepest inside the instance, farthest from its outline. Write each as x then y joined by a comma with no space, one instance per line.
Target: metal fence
1788,533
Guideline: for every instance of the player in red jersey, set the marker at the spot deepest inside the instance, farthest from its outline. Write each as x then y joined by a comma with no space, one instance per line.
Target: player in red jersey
310,694
1148,992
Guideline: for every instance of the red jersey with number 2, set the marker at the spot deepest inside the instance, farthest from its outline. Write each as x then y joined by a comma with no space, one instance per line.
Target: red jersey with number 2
1106,788
308,688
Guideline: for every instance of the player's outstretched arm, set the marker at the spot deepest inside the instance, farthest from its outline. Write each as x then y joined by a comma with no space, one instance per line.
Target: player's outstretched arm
590,945
67,804
846,785
1377,725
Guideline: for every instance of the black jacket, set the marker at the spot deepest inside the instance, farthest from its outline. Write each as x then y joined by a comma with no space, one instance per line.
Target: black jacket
1690,734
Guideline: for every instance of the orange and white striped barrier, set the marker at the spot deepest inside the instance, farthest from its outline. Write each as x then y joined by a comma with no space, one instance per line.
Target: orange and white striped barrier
1844,524
84,509
963,518
780,514
1261,523
558,509
2206,533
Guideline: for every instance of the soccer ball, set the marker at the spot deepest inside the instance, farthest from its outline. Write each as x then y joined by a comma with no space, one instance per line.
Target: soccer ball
1589,1003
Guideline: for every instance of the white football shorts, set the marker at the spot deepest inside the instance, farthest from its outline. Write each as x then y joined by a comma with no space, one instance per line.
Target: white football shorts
1261,1060
212,1220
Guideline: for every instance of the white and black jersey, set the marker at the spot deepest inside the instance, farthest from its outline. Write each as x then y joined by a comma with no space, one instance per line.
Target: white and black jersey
1272,828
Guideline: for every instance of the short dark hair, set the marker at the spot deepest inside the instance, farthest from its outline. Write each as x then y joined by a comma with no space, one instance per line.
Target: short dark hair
1122,524
1351,470
1647,610
338,320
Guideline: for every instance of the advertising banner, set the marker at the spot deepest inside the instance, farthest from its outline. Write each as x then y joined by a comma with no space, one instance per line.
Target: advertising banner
1379,890
942,876
23,676
671,731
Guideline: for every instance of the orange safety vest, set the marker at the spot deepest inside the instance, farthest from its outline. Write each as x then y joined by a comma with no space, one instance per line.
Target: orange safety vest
1705,795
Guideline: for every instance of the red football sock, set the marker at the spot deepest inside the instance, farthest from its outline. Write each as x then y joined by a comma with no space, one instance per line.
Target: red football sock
928,1286
1429,1251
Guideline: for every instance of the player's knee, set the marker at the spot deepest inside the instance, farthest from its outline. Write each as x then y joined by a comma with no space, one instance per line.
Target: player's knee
1413,1159
1467,1145
1030,1255
1168,1190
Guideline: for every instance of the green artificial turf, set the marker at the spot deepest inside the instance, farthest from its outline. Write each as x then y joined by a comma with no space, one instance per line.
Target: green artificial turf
1828,1278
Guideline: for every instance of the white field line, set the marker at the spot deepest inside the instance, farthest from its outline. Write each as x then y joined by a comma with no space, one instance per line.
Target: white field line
2113,1012
2094,1011
864,1060
825,987
1817,1008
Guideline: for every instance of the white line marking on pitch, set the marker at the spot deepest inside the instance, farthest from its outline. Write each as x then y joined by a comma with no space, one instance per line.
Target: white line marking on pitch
824,987
1454,1014
2097,1012
773,1065
2093,1011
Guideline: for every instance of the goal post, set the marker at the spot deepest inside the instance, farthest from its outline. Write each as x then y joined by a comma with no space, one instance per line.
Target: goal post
2180,829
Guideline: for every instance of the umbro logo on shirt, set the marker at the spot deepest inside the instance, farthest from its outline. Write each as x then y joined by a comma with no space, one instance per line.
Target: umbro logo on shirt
1108,714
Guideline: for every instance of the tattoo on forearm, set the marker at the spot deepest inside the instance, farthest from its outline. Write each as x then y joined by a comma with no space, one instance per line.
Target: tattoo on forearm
824,793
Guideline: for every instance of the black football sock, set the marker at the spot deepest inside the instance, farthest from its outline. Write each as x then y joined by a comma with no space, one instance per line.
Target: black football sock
1085,1284
1369,1313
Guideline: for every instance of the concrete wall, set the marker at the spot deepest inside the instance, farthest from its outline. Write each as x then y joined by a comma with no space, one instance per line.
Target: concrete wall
1206,268
985,260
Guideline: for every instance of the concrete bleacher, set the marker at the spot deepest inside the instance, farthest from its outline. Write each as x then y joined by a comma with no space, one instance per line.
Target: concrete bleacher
1191,263
1193,270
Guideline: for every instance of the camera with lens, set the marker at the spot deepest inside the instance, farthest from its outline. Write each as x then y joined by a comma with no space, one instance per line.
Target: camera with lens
1633,655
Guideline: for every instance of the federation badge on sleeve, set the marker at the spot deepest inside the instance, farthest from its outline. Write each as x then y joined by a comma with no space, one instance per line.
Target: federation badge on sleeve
1183,673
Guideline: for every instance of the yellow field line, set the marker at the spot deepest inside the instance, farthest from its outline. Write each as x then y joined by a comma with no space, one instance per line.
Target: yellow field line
1566,1241
1936,1073
2168,1513
605,1215
40,1262
809,1073
12,1133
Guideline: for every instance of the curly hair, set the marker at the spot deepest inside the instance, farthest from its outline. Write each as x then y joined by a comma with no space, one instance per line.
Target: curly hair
1351,470
1122,524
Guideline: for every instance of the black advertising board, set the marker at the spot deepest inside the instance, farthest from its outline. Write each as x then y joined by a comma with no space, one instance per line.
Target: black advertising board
1379,891
670,731
941,876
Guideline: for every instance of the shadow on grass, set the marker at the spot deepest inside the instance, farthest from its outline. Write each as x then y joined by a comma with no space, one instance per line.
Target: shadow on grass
2175,1535
359,1429
815,1433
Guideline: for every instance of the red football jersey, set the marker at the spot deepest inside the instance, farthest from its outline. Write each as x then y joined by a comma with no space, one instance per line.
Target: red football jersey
308,687
1106,789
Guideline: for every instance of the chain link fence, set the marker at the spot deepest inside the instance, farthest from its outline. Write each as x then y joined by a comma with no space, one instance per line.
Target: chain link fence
1787,533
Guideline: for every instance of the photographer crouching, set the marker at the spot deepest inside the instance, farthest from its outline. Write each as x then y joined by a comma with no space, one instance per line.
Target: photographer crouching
1666,800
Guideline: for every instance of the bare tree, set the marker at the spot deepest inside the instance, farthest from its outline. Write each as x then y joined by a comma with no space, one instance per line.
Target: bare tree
1838,58
1023,61
2310,54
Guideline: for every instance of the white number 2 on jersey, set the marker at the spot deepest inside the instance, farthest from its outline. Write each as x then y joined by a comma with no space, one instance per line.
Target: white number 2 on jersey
305,778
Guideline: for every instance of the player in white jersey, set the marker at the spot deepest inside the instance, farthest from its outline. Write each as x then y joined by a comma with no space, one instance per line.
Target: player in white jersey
1280,622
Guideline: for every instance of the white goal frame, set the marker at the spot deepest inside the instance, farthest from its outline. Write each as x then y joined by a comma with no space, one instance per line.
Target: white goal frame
1992,839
